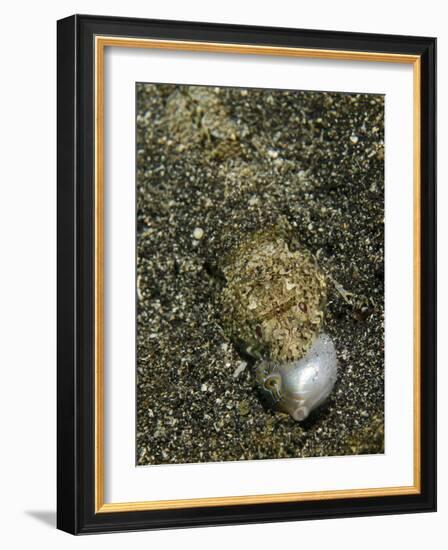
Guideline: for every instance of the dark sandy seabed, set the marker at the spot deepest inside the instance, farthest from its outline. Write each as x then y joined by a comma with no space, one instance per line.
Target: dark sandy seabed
226,162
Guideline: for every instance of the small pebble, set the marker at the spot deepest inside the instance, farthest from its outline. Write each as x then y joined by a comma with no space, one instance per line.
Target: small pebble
198,233
244,408
253,201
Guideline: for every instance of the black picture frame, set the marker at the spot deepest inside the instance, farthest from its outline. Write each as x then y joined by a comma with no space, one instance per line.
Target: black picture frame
76,511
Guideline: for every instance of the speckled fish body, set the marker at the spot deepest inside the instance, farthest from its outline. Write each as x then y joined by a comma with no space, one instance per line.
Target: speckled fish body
274,301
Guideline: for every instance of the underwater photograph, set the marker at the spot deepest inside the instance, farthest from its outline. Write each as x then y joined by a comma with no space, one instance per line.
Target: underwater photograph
259,274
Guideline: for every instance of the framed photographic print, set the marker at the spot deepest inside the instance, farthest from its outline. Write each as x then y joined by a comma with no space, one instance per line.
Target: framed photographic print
246,274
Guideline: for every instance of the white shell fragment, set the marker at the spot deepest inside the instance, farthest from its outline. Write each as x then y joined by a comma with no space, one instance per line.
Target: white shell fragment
240,368
198,233
298,387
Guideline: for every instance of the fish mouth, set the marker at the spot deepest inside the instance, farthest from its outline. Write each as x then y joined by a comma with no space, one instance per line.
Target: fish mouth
300,414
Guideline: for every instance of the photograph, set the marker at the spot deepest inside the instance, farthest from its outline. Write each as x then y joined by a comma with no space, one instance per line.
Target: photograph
259,273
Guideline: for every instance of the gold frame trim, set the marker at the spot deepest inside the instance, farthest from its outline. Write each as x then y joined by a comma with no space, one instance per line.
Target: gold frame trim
101,42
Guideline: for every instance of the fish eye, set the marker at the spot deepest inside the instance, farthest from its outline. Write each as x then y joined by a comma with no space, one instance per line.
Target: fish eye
270,384
272,389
